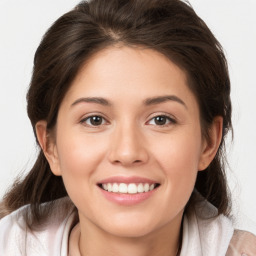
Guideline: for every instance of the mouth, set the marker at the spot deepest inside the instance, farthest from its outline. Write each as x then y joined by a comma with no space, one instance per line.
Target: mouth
128,188
128,191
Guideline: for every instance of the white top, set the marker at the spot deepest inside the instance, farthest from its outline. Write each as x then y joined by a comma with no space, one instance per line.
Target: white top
202,235
51,239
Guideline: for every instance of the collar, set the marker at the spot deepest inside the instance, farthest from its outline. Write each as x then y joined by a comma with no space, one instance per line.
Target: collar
204,232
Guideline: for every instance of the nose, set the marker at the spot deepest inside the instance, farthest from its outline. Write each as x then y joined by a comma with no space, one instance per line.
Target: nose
128,147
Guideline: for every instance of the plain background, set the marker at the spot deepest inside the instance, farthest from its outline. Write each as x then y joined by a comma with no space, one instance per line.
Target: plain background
23,23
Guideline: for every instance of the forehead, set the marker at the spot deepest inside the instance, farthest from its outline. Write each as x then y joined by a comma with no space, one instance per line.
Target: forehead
121,71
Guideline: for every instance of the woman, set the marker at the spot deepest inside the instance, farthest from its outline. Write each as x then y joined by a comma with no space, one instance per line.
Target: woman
130,104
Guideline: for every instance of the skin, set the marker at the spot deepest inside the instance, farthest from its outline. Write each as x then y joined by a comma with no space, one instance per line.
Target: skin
129,142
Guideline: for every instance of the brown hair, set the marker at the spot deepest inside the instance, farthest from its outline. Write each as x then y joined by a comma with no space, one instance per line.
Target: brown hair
170,27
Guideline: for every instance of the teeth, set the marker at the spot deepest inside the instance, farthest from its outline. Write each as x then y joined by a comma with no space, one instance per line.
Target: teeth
115,187
122,188
140,188
109,187
130,188
146,187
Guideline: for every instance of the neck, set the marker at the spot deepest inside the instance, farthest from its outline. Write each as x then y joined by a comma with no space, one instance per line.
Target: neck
162,242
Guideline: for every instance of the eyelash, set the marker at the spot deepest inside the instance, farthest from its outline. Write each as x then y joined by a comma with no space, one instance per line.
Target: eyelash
164,116
170,120
84,120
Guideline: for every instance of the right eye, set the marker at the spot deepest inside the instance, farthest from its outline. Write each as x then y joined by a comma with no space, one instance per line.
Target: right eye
93,121
161,120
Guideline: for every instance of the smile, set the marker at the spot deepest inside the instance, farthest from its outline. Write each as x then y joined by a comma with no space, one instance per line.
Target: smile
130,188
128,191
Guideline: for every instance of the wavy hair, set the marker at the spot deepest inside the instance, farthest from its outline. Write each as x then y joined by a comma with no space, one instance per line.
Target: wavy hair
170,27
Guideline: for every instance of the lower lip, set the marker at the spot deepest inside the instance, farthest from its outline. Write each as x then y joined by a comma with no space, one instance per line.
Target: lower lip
127,199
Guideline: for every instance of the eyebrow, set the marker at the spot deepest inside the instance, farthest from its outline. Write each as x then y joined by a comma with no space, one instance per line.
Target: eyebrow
147,102
162,99
97,100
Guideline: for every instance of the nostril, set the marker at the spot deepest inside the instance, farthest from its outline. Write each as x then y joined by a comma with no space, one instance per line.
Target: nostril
126,153
127,161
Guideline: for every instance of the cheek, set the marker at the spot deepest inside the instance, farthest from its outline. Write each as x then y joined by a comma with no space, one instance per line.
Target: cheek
180,152
178,158
79,157
181,159
78,152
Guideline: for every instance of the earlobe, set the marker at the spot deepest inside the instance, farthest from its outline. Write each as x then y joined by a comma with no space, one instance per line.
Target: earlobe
48,146
211,145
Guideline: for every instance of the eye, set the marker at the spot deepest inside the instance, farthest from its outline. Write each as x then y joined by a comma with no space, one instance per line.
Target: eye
94,121
161,120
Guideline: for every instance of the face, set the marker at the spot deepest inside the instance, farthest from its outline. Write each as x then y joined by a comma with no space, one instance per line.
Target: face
128,142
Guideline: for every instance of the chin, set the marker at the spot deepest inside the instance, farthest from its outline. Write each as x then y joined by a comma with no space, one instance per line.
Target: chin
131,227
129,231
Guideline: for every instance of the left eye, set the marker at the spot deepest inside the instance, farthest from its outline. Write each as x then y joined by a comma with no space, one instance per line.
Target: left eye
160,120
94,121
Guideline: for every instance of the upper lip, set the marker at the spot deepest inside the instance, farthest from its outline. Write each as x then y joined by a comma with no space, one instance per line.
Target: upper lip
123,179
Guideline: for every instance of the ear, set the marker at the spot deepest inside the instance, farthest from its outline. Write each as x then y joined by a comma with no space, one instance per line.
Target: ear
211,145
48,146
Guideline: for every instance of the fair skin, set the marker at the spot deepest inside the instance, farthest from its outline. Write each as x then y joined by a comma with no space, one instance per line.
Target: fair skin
129,117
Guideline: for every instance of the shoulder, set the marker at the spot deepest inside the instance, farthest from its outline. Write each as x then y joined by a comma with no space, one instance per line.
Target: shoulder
12,227
17,239
242,243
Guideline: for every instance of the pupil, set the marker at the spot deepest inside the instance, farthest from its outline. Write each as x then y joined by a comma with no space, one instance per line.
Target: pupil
160,120
96,120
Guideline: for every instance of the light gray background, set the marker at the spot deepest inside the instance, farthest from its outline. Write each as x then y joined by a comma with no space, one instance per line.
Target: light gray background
22,24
